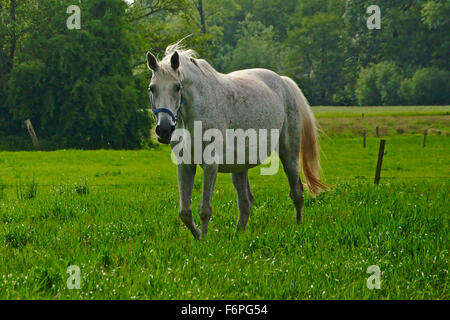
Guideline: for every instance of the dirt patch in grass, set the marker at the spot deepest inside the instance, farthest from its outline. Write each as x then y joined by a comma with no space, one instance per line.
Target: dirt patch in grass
387,126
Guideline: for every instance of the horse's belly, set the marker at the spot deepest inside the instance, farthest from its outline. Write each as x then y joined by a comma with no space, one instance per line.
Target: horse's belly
226,168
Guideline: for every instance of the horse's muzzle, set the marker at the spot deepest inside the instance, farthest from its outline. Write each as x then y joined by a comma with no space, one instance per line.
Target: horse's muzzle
164,141
164,130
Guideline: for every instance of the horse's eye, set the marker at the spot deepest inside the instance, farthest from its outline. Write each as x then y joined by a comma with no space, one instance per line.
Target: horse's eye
151,89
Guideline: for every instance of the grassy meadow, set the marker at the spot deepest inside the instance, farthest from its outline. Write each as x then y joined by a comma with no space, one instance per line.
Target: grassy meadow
115,215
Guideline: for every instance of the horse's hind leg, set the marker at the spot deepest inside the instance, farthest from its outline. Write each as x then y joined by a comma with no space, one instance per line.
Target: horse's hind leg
250,194
289,154
244,197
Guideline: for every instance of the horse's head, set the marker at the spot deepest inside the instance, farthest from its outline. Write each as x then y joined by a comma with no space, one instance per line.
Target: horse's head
165,95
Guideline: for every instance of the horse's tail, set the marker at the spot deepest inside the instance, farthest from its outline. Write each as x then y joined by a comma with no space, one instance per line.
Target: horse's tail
310,151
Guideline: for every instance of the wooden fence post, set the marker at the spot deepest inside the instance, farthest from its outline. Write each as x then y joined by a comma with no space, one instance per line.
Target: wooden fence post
425,133
380,161
33,136
377,132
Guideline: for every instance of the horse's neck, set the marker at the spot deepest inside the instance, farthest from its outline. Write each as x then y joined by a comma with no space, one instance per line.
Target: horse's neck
200,101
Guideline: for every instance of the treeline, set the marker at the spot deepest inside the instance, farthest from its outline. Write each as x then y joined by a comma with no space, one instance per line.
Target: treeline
326,46
87,88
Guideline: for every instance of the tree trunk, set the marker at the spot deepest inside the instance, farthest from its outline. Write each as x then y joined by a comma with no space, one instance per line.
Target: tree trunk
12,48
202,15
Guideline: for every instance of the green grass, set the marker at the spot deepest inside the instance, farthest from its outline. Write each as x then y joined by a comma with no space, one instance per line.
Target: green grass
114,214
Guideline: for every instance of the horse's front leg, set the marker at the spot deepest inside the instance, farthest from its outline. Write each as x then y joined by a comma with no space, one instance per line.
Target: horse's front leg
186,175
205,209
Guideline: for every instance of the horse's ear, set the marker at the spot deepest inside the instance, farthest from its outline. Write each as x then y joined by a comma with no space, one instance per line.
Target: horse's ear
175,61
152,63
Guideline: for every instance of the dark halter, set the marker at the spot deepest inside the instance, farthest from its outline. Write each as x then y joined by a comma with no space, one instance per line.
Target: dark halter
165,110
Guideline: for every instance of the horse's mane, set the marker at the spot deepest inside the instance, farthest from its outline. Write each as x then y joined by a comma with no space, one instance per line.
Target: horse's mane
188,62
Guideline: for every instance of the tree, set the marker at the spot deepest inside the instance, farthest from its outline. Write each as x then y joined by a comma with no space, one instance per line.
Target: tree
256,47
405,36
379,84
428,86
317,50
15,17
436,14
77,86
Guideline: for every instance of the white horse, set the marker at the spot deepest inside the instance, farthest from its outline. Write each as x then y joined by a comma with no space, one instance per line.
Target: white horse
188,89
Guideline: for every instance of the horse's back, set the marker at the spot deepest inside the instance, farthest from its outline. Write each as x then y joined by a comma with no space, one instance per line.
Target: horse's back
270,78
264,80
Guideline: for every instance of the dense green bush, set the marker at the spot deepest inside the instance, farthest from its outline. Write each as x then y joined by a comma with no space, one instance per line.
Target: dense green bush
366,91
77,86
428,86
379,84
